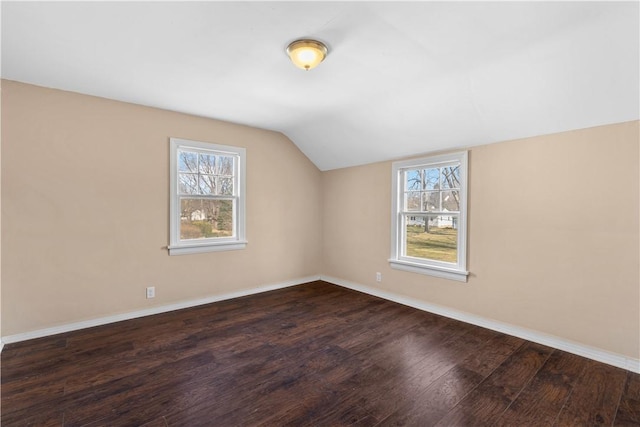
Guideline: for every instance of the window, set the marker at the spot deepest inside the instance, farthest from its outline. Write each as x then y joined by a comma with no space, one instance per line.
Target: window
207,197
429,216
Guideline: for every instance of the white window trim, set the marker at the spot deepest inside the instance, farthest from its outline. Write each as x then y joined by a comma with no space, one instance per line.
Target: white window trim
457,271
183,247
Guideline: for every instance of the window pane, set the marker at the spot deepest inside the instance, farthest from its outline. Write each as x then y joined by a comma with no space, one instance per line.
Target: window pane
225,186
431,201
224,165
187,161
451,177
432,237
204,219
431,179
207,184
188,183
451,200
413,180
207,163
412,201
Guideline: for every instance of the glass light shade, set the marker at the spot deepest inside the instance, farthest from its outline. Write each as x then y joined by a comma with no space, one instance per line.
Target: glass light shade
306,54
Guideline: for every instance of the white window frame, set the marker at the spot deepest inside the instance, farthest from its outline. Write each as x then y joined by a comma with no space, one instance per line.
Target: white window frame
454,271
179,246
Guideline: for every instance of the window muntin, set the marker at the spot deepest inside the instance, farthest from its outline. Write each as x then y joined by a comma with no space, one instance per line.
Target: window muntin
429,215
207,197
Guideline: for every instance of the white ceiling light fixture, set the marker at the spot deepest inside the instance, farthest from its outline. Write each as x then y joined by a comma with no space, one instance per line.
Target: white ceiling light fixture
307,53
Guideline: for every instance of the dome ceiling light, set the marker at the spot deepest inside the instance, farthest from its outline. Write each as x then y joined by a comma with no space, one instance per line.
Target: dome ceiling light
307,53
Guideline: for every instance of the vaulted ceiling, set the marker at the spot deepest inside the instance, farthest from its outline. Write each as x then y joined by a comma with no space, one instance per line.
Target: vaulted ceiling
401,78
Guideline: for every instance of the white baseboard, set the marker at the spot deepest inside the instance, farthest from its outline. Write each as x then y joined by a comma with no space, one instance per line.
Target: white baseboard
150,311
593,353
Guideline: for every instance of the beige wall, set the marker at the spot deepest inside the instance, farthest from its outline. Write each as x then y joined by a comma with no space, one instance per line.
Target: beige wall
1,343
85,209
553,221
553,236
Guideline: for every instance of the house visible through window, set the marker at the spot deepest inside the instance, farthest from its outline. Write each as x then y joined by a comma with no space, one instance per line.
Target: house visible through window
207,197
429,216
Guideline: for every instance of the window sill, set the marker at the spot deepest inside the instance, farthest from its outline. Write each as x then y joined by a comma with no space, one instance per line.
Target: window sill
430,270
196,249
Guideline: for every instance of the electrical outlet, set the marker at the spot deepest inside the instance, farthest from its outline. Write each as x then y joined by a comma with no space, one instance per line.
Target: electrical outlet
378,277
151,292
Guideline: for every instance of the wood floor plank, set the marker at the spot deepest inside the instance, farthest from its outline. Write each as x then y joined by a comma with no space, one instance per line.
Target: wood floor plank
595,396
440,396
629,408
138,399
29,352
632,386
343,413
314,354
484,405
31,391
425,359
263,390
47,418
541,401
158,422
338,393
46,411
284,375
492,354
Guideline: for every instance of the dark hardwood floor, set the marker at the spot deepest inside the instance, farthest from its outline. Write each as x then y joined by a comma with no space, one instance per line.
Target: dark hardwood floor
314,354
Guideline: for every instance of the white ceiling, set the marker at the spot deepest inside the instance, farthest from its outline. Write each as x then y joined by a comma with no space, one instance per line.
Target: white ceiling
400,78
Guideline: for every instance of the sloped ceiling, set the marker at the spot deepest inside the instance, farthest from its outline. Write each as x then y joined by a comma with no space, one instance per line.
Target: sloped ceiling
401,78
